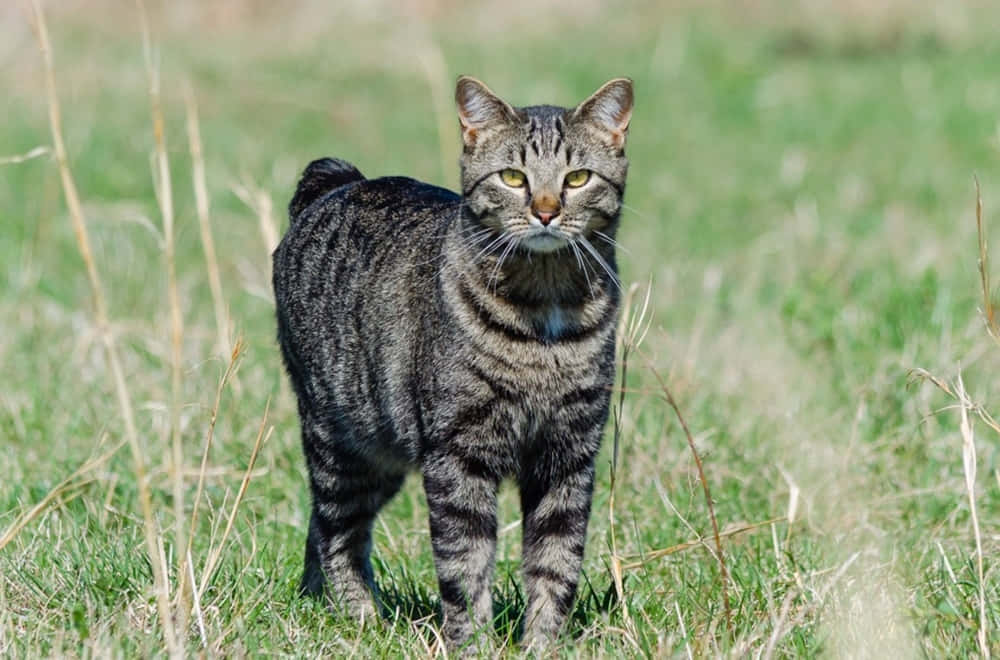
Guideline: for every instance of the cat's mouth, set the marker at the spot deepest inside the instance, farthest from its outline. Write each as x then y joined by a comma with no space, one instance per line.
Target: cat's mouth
545,241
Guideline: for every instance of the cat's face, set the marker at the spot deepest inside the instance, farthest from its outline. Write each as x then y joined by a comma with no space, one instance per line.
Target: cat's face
544,176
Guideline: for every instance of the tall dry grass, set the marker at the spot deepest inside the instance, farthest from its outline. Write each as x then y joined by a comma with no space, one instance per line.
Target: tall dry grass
969,410
178,593
80,229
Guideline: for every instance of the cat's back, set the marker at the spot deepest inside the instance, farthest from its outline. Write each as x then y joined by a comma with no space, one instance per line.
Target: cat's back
348,230
358,258
335,205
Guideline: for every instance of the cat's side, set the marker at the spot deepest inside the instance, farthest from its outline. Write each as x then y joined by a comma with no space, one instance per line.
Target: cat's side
470,337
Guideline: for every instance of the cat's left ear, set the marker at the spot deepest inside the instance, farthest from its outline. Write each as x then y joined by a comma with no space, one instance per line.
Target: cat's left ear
610,108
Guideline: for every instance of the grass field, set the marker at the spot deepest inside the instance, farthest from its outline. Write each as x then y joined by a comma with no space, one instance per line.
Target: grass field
801,197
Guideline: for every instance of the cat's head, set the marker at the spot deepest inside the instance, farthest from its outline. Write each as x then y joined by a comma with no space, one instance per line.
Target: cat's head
544,175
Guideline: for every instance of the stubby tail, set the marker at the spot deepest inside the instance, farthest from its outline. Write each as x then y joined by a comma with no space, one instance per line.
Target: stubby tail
320,177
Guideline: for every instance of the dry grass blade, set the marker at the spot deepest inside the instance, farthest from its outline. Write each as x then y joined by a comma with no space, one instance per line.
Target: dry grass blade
186,606
918,374
966,405
165,197
669,397
196,603
213,558
204,223
101,319
984,269
210,436
684,633
260,203
969,468
632,330
647,557
21,158
61,488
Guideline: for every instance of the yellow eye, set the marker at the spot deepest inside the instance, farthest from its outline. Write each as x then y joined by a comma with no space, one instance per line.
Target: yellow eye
513,178
577,178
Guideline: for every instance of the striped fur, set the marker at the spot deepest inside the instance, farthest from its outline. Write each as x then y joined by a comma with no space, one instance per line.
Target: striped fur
459,336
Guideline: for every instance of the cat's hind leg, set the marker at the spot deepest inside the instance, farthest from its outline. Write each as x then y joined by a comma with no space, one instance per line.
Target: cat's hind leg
348,490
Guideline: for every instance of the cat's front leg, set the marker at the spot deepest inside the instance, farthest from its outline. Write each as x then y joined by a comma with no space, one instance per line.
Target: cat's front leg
555,501
461,497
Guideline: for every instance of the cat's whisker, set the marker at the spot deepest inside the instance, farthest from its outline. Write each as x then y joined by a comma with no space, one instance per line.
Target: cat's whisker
612,242
582,264
475,236
493,246
501,243
475,240
512,243
600,260
639,213
480,237
498,269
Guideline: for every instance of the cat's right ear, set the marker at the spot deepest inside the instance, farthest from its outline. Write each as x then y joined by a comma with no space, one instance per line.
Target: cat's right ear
609,108
479,109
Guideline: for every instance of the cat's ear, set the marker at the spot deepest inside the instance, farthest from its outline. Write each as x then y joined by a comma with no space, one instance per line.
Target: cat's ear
479,109
610,108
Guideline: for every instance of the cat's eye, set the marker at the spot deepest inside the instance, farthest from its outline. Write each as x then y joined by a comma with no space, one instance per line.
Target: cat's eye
577,178
513,178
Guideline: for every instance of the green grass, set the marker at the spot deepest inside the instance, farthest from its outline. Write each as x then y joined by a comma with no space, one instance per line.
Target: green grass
801,195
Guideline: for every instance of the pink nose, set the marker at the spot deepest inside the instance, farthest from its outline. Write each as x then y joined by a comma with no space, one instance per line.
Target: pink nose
546,218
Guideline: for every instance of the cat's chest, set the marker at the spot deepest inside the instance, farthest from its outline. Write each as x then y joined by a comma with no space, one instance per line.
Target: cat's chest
552,323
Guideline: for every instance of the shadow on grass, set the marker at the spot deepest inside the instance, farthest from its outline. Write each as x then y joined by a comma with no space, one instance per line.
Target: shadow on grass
408,599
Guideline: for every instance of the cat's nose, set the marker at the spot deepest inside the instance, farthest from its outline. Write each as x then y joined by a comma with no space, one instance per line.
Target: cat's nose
545,217
545,207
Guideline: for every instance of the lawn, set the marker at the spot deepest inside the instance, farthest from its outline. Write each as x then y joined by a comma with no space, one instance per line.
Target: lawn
801,205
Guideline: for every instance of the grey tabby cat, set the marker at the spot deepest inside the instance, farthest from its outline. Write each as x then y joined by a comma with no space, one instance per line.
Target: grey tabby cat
471,337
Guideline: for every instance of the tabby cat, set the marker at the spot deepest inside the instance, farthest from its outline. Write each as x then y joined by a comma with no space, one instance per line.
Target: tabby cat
471,337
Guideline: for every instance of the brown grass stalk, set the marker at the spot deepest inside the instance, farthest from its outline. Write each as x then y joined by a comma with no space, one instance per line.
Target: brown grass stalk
720,556
37,152
956,390
165,198
216,553
209,437
646,557
71,482
989,314
969,469
80,230
259,201
632,329
204,223
187,606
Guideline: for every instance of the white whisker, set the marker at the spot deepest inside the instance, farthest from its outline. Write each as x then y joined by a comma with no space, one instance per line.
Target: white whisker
612,242
492,247
581,262
639,213
477,238
600,260
512,242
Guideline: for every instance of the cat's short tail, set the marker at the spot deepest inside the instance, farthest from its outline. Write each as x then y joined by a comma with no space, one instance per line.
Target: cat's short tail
320,177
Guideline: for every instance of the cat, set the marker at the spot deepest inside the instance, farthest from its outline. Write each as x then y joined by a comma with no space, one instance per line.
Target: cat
469,337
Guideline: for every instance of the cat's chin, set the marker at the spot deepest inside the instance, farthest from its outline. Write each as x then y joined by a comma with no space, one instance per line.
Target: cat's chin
543,243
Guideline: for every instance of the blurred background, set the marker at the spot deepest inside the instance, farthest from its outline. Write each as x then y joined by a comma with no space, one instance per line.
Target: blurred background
801,197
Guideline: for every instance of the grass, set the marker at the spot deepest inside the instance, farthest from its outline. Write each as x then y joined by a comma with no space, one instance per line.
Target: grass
801,195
